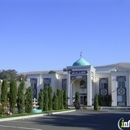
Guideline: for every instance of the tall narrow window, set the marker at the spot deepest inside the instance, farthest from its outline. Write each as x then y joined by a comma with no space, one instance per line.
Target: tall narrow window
33,82
47,81
82,84
103,86
121,91
64,84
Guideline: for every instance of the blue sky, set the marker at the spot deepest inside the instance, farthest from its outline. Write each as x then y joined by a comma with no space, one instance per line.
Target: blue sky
50,34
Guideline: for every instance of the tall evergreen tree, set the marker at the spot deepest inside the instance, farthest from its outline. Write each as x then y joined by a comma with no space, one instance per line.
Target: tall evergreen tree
50,98
41,99
29,100
61,94
59,98
4,92
55,102
20,100
77,97
96,102
46,98
13,95
65,103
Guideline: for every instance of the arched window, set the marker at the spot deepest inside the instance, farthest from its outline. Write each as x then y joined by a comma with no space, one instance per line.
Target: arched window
121,82
103,86
121,91
82,84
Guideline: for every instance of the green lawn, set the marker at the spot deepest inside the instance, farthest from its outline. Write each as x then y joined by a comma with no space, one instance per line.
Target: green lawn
28,114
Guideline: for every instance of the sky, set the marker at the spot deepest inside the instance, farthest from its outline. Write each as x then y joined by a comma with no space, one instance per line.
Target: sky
40,35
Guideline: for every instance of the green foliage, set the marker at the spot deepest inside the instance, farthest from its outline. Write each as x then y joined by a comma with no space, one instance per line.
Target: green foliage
61,94
55,102
1,110
108,100
29,100
77,97
13,95
100,100
49,98
96,102
77,104
21,78
46,100
11,75
20,100
105,100
59,98
51,72
41,99
4,92
8,75
65,102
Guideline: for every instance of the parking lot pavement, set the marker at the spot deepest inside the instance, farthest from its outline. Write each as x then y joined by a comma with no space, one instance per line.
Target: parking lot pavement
78,120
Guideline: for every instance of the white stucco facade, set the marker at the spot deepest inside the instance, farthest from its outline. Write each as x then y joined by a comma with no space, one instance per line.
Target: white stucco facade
88,81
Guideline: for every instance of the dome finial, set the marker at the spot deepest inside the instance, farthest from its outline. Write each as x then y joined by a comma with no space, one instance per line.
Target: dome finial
80,54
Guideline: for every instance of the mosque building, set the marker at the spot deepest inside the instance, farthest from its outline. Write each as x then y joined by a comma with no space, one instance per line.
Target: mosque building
87,80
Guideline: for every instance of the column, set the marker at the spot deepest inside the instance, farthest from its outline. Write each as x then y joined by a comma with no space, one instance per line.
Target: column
68,87
114,90
128,89
89,89
71,100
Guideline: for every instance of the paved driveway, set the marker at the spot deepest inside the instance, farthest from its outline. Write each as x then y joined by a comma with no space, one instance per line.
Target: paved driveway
79,120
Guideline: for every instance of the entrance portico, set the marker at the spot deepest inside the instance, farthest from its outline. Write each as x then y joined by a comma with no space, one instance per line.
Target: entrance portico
80,79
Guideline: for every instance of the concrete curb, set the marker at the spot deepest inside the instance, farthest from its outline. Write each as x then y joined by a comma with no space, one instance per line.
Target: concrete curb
32,116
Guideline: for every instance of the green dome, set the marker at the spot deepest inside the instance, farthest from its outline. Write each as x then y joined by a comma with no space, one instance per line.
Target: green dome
81,62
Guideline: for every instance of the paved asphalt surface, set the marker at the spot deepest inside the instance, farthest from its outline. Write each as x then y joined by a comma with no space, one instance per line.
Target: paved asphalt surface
79,120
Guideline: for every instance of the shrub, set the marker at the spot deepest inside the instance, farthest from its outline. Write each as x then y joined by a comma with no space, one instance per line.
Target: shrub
96,102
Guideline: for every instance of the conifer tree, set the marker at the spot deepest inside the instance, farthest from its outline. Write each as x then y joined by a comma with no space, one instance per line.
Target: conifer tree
61,94
59,98
41,99
96,102
29,100
13,95
20,100
55,102
4,92
46,98
50,98
65,104
77,97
